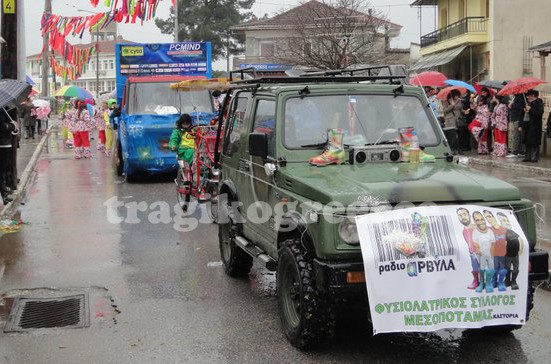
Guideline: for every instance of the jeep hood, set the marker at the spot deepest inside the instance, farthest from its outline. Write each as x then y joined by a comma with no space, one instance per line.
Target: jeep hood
442,182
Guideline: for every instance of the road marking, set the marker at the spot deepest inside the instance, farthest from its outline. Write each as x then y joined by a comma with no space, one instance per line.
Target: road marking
214,264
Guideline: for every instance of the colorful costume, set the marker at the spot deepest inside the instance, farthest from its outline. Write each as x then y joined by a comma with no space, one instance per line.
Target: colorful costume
80,126
499,122
479,128
100,126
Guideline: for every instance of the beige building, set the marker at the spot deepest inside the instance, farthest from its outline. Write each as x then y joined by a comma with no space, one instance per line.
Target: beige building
267,40
485,39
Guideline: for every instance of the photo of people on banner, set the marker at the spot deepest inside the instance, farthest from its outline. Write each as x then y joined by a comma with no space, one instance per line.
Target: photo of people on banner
448,266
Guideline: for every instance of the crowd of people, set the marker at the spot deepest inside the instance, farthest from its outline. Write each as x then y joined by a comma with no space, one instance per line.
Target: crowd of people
487,121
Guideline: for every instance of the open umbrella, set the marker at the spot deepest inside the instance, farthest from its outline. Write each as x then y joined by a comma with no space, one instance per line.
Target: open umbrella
13,92
74,91
429,78
460,83
443,94
520,85
478,87
496,85
544,87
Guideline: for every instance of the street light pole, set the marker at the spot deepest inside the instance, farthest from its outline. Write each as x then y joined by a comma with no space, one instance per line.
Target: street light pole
46,54
176,23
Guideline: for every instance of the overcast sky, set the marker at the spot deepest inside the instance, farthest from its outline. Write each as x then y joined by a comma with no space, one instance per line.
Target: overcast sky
397,11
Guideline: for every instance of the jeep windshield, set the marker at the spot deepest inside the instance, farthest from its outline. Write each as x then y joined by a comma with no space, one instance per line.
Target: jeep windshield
365,119
158,98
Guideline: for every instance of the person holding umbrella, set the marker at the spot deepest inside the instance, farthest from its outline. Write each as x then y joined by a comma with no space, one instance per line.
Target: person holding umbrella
27,113
517,115
452,112
532,126
80,124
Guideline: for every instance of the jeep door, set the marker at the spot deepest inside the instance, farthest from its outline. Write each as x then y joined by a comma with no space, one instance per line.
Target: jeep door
235,146
260,195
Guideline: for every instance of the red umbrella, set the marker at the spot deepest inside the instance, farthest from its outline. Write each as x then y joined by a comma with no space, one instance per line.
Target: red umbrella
443,94
520,85
478,87
429,78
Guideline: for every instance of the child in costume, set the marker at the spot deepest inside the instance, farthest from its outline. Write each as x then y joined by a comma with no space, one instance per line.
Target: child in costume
108,132
182,140
80,125
100,125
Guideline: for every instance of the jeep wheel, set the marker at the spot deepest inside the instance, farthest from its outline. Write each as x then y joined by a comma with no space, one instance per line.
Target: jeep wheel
306,314
119,162
236,262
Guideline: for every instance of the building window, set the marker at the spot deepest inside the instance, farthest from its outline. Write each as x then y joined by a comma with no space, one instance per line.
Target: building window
111,64
93,65
105,64
266,49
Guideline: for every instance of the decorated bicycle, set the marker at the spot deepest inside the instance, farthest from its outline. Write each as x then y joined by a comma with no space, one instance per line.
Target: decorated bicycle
194,140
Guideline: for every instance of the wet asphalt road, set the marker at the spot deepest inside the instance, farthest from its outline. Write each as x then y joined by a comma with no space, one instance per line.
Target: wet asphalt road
158,295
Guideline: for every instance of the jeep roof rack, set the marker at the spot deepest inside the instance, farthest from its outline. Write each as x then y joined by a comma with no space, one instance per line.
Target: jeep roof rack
385,73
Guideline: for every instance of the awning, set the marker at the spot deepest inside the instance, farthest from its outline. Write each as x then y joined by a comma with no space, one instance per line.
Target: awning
437,59
544,47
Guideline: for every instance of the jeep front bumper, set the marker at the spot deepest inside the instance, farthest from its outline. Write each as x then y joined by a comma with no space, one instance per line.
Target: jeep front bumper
340,277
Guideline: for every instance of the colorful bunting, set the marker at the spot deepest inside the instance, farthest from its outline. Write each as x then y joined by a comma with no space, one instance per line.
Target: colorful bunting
70,73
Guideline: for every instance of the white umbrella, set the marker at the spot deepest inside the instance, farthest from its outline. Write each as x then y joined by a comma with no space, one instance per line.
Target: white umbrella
41,103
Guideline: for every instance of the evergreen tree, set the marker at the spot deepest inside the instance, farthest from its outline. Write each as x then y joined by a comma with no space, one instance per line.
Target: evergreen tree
209,21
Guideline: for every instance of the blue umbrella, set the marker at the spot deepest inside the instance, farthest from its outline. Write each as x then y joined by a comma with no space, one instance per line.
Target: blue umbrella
29,80
460,84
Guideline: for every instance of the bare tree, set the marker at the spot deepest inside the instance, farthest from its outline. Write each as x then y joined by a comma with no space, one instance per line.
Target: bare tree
333,34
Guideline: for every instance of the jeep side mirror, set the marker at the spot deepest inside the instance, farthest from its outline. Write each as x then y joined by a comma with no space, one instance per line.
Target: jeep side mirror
258,145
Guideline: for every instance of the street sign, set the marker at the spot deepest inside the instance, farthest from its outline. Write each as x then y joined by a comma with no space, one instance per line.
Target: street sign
8,6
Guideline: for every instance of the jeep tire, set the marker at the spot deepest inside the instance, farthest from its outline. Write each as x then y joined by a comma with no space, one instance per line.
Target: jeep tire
307,315
236,262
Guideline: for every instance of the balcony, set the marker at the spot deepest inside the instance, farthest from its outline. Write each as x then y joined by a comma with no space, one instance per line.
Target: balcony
465,26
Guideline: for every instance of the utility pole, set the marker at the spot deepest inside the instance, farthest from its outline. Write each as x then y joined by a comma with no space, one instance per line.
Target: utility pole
11,16
97,63
9,33
46,54
176,23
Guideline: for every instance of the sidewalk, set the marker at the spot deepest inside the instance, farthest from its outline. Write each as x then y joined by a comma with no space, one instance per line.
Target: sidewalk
542,167
27,155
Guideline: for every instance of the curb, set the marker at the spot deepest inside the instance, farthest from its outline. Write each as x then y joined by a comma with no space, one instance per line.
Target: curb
18,195
514,166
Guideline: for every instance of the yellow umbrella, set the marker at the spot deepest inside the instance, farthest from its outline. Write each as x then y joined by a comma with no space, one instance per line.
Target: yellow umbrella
220,83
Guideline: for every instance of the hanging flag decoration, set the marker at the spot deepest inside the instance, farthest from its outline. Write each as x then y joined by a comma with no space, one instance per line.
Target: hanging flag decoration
131,9
59,27
70,73
72,54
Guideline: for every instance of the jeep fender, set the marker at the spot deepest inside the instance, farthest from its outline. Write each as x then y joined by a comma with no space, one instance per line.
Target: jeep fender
299,230
227,186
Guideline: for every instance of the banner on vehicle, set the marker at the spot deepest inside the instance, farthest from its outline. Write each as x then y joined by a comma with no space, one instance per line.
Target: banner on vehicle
184,58
430,268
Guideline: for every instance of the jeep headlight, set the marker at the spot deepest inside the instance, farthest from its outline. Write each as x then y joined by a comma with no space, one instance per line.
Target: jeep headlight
348,231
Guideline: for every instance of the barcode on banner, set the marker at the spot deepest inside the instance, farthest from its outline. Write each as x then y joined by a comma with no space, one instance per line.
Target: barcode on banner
438,238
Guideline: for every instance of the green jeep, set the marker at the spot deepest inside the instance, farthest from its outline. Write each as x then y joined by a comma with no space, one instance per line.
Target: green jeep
278,209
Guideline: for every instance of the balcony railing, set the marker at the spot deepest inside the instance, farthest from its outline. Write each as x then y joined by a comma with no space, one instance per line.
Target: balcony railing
477,24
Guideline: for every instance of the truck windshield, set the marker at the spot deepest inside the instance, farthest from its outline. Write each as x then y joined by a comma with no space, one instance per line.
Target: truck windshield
365,119
158,98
